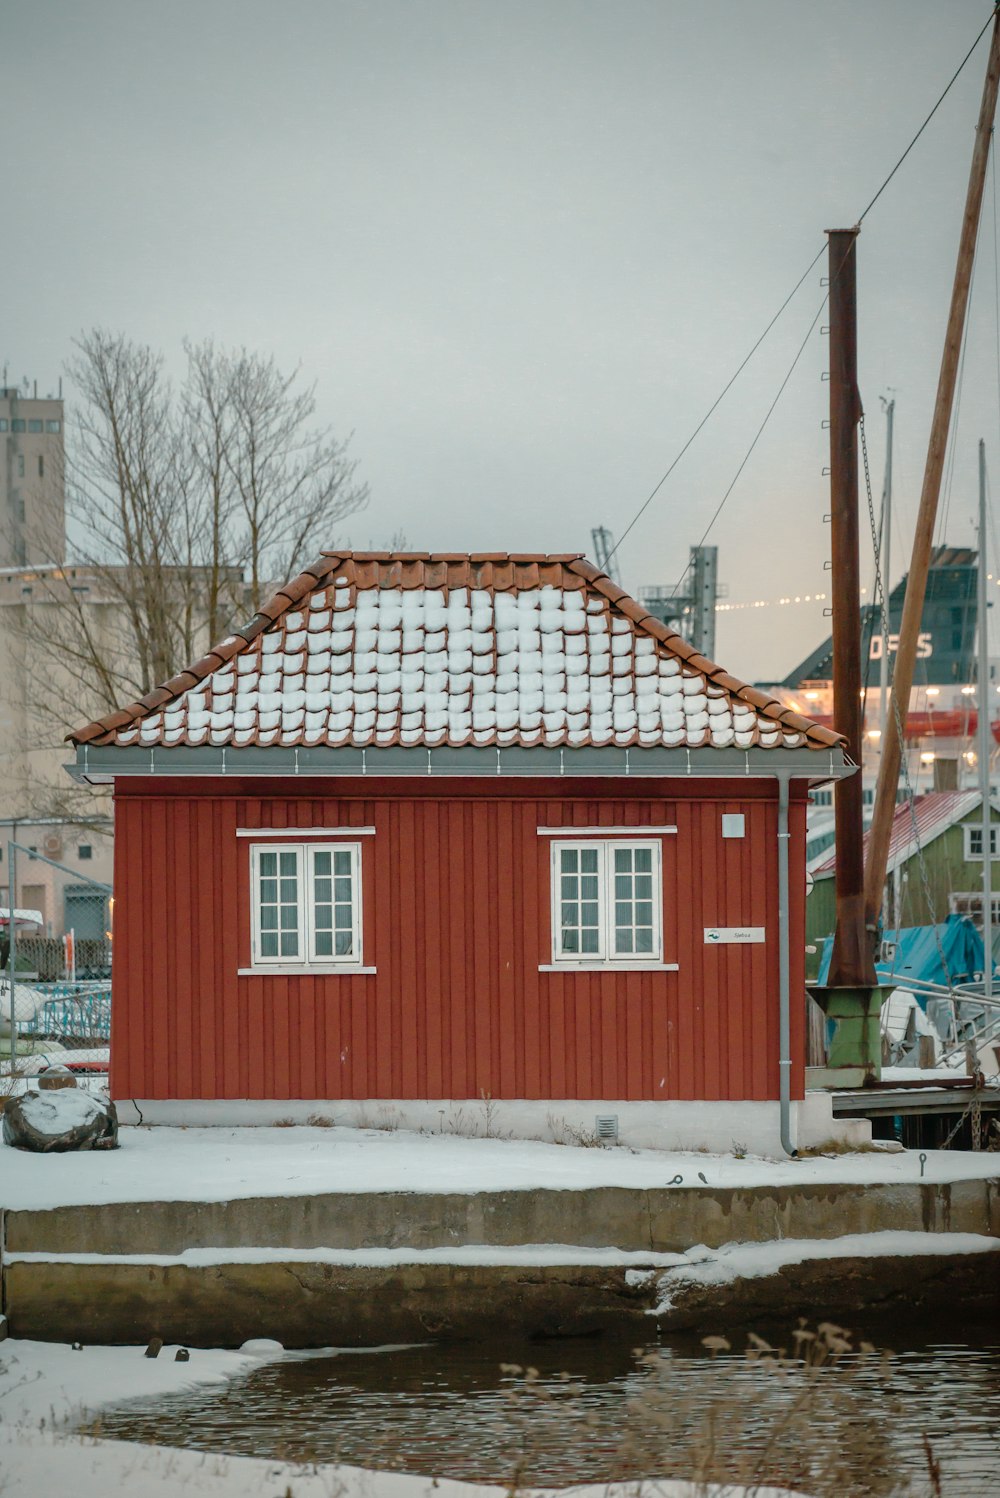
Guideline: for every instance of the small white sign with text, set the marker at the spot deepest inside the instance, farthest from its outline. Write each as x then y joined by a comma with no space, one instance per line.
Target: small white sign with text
715,935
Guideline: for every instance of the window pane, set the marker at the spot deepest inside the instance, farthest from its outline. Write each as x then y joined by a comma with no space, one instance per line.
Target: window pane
634,896
277,903
333,913
578,892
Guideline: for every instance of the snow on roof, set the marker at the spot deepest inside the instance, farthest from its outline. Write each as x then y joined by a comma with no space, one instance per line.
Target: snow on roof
446,650
934,814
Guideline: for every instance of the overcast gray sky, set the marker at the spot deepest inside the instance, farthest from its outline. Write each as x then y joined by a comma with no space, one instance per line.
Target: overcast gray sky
520,245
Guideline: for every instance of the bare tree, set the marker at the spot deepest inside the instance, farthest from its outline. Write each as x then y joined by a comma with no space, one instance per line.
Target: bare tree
184,509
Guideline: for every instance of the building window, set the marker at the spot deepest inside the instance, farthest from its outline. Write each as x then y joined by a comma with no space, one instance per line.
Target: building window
823,797
17,424
306,905
53,426
606,898
4,425
34,425
20,465
41,466
974,842
85,852
971,905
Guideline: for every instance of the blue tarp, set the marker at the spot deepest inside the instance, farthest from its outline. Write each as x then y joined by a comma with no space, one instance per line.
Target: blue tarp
919,950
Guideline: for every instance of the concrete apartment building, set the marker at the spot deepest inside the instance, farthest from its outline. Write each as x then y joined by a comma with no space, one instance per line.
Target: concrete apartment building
32,780
32,489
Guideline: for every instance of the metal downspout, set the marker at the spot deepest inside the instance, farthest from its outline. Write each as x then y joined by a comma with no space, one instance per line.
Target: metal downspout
784,979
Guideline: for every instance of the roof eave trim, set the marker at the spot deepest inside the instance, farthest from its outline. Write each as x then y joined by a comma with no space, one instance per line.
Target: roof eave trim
99,765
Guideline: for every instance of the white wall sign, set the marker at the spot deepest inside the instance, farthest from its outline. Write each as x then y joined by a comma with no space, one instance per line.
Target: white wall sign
741,935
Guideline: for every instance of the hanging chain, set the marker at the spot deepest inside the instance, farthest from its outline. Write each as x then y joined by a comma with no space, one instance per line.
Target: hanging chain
904,761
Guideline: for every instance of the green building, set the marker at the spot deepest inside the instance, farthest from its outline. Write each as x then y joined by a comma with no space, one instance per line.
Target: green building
946,826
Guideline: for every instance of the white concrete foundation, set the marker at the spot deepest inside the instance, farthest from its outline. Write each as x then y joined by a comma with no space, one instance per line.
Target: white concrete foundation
718,1127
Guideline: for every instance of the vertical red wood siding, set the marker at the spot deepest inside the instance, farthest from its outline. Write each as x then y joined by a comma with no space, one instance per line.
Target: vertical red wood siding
456,898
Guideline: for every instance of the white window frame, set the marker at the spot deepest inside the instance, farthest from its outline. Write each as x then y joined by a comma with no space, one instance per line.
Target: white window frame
970,903
973,827
308,961
605,959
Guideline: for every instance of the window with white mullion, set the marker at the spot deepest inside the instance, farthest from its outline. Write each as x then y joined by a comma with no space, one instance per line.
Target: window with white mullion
606,902
333,905
630,873
306,905
277,890
581,901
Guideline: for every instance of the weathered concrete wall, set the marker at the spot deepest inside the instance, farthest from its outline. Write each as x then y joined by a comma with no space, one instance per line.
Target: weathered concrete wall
310,1305
839,1287
315,1305
662,1221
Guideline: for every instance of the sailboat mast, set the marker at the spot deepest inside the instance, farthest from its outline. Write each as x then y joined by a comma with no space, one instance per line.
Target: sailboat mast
916,586
983,674
851,962
883,665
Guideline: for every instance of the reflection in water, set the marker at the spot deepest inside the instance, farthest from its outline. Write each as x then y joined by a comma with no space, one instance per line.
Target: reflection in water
593,1411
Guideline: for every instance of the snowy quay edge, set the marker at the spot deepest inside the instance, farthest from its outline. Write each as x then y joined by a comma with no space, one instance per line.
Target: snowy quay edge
354,1268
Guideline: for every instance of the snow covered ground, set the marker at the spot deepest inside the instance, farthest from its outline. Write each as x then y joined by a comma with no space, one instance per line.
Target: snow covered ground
216,1164
43,1386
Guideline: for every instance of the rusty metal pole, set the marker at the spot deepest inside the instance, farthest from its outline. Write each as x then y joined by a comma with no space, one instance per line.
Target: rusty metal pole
851,962
916,585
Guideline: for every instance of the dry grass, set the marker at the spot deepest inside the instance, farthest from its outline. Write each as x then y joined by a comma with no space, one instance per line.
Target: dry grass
796,1428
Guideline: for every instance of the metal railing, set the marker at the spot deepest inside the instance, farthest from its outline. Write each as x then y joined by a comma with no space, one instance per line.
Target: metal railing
56,991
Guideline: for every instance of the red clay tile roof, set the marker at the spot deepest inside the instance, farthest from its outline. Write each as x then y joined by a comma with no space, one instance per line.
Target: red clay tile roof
447,649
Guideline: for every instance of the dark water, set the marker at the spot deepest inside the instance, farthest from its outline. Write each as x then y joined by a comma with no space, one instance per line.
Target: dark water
597,1412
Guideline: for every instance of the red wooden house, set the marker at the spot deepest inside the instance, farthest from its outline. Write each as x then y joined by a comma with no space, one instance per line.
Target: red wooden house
438,828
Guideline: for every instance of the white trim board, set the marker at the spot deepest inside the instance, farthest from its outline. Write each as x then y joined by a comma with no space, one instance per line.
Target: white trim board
305,972
613,966
291,833
570,833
